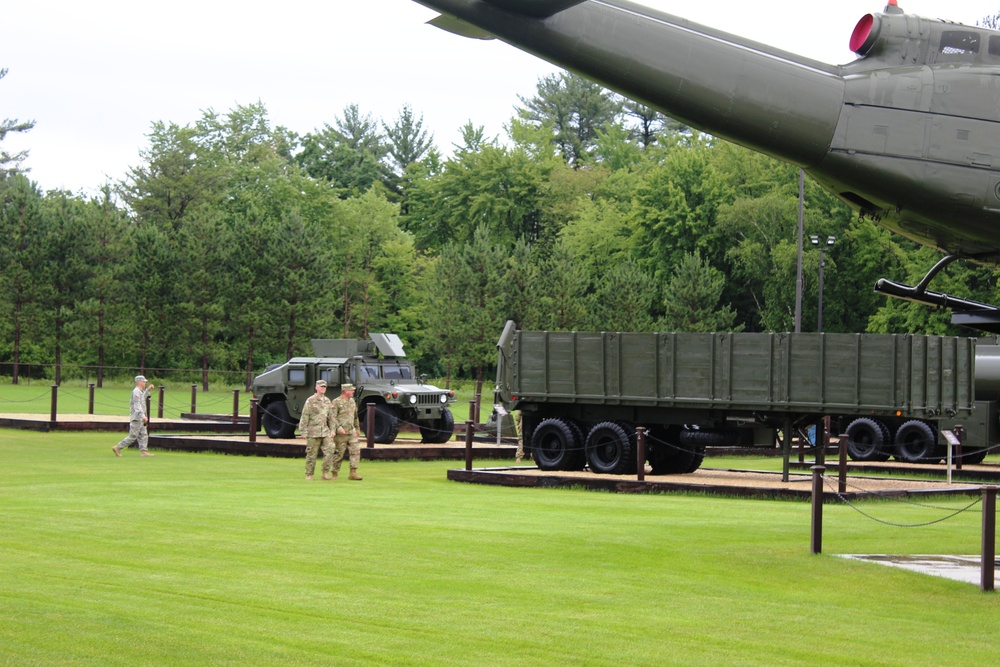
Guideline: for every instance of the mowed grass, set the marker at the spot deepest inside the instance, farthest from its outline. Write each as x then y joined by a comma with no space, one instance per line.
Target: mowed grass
204,559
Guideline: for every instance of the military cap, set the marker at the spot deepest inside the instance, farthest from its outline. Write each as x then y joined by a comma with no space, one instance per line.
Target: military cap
346,387
320,383
140,378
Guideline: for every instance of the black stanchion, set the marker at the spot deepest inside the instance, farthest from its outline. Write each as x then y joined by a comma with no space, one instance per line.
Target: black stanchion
640,453
989,552
816,541
236,405
468,444
842,473
90,399
194,397
55,402
370,426
159,408
253,419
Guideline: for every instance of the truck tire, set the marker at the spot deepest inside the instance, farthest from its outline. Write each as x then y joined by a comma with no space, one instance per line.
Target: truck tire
611,449
916,442
667,456
276,421
709,438
975,456
555,445
438,430
866,440
386,423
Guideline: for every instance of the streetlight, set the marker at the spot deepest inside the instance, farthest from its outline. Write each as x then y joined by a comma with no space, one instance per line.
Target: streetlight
830,240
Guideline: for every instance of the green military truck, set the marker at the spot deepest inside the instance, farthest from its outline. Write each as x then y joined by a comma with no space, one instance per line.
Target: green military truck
382,376
877,438
582,394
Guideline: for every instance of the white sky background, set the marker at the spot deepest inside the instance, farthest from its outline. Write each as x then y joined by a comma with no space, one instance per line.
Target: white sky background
96,75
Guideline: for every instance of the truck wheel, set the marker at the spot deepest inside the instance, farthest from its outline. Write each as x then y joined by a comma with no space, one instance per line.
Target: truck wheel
611,449
439,430
276,421
865,440
666,455
975,456
555,446
916,442
386,423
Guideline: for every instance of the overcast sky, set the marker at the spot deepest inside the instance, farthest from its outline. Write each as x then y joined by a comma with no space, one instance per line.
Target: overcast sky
95,75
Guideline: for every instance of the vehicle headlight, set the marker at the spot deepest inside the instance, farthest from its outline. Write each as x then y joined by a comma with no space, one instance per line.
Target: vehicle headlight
444,398
413,399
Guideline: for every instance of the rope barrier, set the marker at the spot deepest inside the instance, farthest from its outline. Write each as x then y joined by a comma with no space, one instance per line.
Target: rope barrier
857,509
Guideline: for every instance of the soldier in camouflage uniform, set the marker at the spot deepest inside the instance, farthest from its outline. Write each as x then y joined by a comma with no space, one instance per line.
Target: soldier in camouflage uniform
137,420
346,431
316,426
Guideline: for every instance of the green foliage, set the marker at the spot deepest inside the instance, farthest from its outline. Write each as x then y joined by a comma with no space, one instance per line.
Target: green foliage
691,299
232,243
10,162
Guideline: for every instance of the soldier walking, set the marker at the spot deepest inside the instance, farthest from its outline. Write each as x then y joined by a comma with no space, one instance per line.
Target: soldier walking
316,426
347,429
137,420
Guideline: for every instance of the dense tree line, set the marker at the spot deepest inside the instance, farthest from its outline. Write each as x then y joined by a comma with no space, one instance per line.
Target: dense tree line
233,243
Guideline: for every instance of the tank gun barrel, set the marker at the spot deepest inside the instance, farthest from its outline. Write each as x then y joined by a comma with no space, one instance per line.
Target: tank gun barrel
764,98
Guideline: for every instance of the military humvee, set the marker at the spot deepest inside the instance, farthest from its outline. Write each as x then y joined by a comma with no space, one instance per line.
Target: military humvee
389,381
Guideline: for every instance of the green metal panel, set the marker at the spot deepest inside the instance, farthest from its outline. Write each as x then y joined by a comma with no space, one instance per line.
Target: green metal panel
919,376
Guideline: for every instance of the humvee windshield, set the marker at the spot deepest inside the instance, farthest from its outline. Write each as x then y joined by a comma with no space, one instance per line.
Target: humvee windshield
396,373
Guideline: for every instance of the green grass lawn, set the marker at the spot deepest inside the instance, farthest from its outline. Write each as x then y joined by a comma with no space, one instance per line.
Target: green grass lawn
204,559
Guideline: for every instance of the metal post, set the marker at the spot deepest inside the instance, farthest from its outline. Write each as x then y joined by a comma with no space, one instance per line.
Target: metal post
960,434
149,400
820,443
252,431
159,409
370,426
989,553
468,444
798,272
478,402
194,396
90,400
786,450
640,453
816,543
822,264
55,401
236,405
472,411
842,477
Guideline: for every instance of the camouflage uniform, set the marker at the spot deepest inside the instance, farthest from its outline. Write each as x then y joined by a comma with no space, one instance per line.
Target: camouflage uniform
137,431
316,425
345,416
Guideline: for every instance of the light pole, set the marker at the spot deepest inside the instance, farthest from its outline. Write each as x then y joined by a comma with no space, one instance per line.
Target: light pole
830,240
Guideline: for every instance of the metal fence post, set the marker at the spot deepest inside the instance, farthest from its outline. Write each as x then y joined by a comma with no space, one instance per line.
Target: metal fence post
816,543
959,431
55,401
90,399
842,476
253,419
148,411
472,411
194,396
236,405
370,426
640,453
989,552
159,409
468,444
